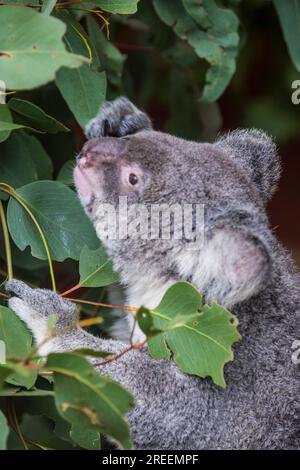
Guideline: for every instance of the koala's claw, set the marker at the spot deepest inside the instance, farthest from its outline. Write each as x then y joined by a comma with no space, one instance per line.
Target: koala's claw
44,300
117,119
17,289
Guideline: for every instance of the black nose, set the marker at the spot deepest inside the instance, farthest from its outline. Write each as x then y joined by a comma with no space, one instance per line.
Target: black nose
107,148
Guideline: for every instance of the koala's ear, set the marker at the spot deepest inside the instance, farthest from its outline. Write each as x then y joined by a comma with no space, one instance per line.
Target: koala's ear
256,153
233,266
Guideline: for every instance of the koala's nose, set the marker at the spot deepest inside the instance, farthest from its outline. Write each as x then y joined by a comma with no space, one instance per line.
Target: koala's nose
100,150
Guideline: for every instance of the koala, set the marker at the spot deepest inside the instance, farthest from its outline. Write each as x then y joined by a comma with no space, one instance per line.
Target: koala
240,265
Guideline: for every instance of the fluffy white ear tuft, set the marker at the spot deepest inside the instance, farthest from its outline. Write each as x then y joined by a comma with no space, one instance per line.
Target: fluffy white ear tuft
232,267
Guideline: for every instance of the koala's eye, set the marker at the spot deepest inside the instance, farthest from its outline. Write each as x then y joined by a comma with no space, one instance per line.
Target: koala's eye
133,179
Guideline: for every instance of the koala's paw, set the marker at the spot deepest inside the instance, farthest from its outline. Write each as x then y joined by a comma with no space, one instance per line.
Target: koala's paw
117,118
42,301
34,307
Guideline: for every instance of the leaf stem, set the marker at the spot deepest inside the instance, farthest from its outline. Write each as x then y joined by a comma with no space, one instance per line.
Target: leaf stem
7,245
72,289
4,295
117,356
100,304
13,193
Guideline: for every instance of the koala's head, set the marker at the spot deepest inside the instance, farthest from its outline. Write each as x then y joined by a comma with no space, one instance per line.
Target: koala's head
232,178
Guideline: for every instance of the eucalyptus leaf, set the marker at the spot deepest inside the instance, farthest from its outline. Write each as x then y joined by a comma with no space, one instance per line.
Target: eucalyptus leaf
88,400
117,6
84,88
65,174
47,6
33,147
5,118
7,127
31,48
60,216
95,268
15,335
212,31
4,431
85,438
36,117
289,17
16,165
18,343
111,59
200,337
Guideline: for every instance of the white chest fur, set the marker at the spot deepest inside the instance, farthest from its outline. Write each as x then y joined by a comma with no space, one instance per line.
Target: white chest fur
144,291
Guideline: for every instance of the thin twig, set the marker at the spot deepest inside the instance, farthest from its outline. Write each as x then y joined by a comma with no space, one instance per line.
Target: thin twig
72,289
100,304
117,356
133,329
7,245
4,295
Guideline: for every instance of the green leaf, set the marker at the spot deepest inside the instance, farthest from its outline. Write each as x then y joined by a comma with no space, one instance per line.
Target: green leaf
289,17
24,260
17,374
48,6
212,31
16,165
117,6
35,392
65,174
91,352
7,125
5,372
23,2
14,334
60,216
200,337
18,343
11,126
32,146
36,117
41,429
4,431
95,268
88,400
5,118
35,58
84,88
85,438
110,57
146,324
10,390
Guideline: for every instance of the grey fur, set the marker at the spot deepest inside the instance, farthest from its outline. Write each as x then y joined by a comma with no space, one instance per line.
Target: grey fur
121,118
251,272
257,154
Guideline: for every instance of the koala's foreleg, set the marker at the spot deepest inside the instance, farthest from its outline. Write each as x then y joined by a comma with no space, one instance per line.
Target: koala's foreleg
154,384
35,307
